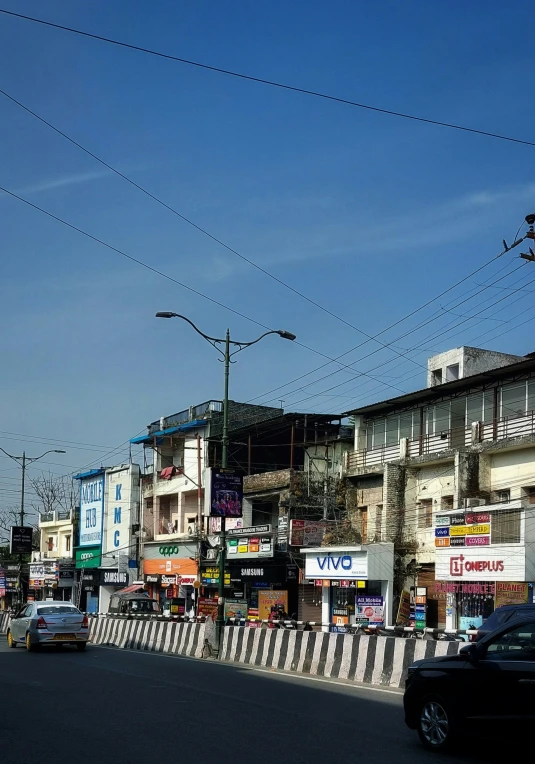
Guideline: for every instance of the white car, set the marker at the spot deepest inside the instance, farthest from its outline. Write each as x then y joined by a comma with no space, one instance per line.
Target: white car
48,623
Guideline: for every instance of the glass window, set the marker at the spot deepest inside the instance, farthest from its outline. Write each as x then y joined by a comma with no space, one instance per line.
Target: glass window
392,429
442,417
474,409
518,644
429,420
531,394
405,425
505,527
56,609
425,514
369,436
514,400
378,433
488,406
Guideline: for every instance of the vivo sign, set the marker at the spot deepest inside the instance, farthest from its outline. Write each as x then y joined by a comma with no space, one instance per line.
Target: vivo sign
334,565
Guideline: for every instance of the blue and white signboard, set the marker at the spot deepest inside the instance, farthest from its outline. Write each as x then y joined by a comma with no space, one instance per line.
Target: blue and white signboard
91,510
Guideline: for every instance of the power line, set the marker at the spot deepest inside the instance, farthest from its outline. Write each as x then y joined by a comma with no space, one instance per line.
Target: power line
273,83
197,227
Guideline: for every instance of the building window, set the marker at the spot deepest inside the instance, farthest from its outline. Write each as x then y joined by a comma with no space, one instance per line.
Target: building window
529,494
501,497
452,372
505,526
446,503
379,522
50,544
425,513
67,543
514,400
436,377
363,512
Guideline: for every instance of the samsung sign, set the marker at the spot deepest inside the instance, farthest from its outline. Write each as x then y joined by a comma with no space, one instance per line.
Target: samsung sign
91,510
336,565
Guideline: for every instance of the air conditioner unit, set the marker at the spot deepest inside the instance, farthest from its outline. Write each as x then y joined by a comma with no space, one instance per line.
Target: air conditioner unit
472,503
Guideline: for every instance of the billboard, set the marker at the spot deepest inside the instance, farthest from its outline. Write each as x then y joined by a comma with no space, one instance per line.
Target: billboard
20,539
122,497
256,541
307,532
226,494
91,510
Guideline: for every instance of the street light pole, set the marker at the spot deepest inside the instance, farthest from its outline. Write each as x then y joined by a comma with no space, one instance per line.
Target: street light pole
23,461
227,342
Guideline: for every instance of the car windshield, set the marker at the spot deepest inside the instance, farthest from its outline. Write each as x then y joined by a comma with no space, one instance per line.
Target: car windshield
144,606
57,609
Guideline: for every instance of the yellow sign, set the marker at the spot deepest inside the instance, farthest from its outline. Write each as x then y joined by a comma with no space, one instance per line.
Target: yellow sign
470,530
243,548
361,584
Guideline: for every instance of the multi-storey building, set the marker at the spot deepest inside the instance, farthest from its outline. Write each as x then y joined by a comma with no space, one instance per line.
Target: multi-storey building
448,474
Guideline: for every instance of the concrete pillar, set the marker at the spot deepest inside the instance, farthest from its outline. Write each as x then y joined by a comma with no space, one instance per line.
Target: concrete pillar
325,606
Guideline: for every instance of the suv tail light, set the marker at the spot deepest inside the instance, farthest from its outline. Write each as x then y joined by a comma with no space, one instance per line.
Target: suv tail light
85,622
41,623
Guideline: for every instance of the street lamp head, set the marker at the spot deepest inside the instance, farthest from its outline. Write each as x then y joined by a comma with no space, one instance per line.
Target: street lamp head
55,451
165,314
286,335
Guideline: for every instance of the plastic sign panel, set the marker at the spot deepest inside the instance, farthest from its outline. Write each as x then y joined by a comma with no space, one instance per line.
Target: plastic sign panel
20,539
226,494
91,510
336,565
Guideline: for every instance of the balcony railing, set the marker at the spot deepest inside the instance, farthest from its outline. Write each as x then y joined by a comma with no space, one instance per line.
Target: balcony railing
454,438
55,516
188,415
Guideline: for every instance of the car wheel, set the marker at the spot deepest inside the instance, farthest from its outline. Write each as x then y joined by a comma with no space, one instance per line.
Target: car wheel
80,646
435,724
30,647
10,641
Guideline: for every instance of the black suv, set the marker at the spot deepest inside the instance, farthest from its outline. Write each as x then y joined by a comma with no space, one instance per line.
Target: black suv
501,616
487,689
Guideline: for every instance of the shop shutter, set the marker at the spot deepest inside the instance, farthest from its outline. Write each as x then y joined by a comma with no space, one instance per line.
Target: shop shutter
436,604
309,603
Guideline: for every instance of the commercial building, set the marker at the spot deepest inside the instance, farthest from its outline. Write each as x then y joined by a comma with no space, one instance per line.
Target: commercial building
447,474
107,549
51,572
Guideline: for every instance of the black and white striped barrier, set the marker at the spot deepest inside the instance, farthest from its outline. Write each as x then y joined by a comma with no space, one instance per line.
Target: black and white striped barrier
361,658
4,622
195,640
355,628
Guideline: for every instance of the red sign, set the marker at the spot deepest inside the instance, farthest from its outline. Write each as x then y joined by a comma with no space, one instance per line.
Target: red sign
450,587
458,566
207,606
474,518
477,540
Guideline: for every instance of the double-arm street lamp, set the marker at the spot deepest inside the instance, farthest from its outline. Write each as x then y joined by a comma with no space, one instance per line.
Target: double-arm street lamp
23,461
227,355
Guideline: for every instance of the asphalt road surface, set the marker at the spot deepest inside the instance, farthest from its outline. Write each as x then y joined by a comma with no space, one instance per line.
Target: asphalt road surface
109,706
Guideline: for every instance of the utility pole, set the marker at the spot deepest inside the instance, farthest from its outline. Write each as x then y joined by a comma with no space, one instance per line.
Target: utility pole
227,342
23,461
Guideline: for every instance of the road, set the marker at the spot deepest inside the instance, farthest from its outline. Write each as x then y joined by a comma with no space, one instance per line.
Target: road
112,706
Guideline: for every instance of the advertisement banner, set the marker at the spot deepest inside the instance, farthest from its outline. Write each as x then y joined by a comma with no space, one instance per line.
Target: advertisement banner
488,563
336,565
43,574
3,583
226,494
91,510
511,593
370,610
182,566
270,599
307,532
207,606
20,539
235,609
89,557
404,610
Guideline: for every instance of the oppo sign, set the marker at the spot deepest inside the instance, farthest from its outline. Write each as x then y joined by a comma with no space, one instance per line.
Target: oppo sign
335,565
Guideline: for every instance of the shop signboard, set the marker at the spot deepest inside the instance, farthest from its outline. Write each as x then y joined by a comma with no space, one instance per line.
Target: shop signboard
20,539
370,609
442,541
122,493
489,563
340,620
282,533
443,532
91,510
305,533
477,541
113,577
230,524
511,593
3,583
170,566
442,520
88,557
207,606
153,578
328,565
210,576
454,587
43,574
66,575
226,493
404,609
253,542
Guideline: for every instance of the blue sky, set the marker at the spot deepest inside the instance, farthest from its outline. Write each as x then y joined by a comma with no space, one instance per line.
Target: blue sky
368,215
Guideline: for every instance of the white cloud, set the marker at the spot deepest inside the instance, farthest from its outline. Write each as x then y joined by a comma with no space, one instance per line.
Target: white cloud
61,182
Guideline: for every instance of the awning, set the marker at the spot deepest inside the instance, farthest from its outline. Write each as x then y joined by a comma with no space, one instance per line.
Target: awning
129,589
170,431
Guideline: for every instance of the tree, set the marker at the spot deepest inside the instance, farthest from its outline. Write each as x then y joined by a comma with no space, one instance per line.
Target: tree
54,492
10,517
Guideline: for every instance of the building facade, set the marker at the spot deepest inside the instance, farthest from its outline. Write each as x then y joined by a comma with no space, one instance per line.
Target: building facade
448,475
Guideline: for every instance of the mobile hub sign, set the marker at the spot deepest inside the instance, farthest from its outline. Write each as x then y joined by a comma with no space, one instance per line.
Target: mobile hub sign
91,510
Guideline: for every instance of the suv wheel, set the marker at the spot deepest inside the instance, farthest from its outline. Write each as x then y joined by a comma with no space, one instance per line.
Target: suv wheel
435,724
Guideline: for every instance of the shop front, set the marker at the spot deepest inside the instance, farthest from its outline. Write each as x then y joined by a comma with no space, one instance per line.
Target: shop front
355,584
43,579
170,572
111,580
262,588
87,560
474,582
